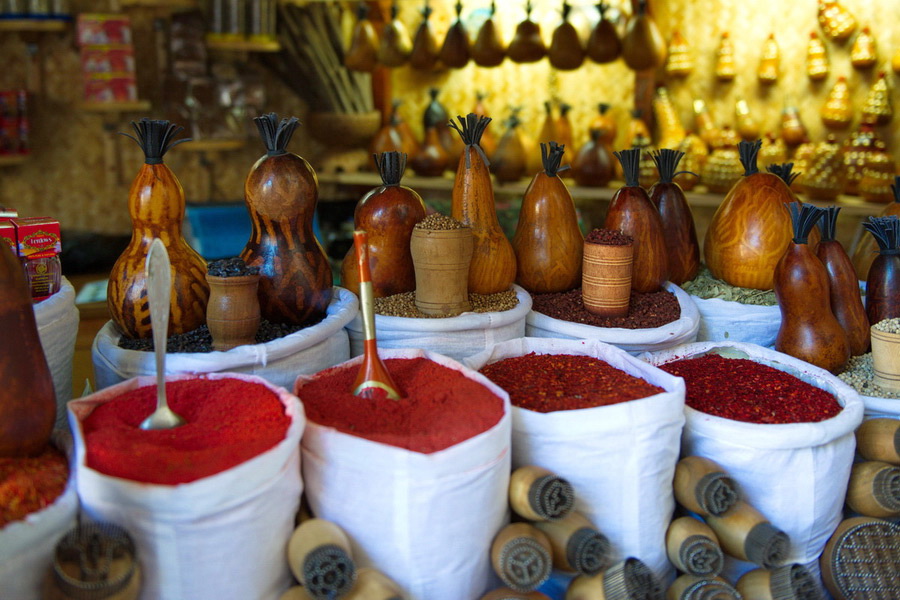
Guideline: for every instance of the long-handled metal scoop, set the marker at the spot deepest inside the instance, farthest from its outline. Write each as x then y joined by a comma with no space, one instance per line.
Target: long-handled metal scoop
159,292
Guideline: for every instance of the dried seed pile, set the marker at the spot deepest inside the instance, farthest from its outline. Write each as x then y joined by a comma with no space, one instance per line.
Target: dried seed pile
705,286
889,325
200,339
231,267
609,237
404,305
645,311
860,375
439,222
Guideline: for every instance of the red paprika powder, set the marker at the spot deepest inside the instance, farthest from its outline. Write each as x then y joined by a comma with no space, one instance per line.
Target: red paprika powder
551,382
744,390
229,421
440,407
30,484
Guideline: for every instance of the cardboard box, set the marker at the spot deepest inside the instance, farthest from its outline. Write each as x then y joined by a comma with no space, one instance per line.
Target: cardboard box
118,60
101,29
102,87
38,244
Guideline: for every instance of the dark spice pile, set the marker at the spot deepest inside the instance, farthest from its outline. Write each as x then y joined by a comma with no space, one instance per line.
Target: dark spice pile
28,485
200,340
551,382
231,267
609,237
744,390
645,311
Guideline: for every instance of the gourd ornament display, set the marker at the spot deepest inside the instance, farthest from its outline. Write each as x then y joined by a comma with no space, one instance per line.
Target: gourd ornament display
632,212
493,267
671,132
877,109
864,54
643,46
846,301
565,52
837,22
28,401
867,248
817,66
395,135
387,214
802,157
751,229
156,206
395,46
883,279
773,151
455,52
877,176
793,132
546,135
837,112
856,151
593,164
363,52
723,167
680,237
432,159
527,45
746,124
604,45
281,192
725,68
704,124
436,116
562,128
769,62
824,177
809,330
606,124
509,162
679,63
548,242
488,49
488,139
696,153
424,53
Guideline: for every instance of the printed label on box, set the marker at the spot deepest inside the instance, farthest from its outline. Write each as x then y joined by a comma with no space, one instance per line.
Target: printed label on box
100,29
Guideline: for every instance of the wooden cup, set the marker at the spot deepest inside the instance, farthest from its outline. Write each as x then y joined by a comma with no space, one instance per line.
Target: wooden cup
886,359
232,313
441,258
606,279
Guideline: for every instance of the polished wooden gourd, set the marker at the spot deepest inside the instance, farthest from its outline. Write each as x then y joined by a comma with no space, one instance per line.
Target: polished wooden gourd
593,164
281,192
643,46
424,54
867,248
156,206
565,52
682,246
396,45
510,162
455,52
363,52
548,242
527,45
28,401
488,50
604,44
883,280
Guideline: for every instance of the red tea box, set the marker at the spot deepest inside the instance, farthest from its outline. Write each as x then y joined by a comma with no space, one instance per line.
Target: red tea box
101,87
103,29
108,59
8,234
38,244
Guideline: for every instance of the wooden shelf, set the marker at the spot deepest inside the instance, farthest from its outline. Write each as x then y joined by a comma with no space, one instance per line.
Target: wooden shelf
115,107
34,25
243,45
212,145
10,160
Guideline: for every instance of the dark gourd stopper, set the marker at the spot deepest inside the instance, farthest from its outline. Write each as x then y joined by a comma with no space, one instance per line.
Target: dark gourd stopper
362,11
155,137
603,107
470,129
828,224
564,109
391,166
667,161
783,171
630,160
276,135
886,231
803,218
435,113
426,11
551,157
748,152
895,187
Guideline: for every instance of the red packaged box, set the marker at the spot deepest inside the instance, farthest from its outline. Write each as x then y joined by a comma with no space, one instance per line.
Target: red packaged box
103,88
8,213
108,59
8,235
102,29
39,245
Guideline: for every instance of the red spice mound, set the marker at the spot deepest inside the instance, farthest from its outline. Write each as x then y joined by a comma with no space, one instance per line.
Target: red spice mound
550,382
229,421
440,407
28,485
645,311
609,237
744,390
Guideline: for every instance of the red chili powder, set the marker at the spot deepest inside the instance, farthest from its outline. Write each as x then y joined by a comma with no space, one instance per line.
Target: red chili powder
440,407
229,421
744,390
28,485
551,382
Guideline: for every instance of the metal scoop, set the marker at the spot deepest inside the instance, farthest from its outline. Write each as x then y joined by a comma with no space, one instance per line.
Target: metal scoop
159,292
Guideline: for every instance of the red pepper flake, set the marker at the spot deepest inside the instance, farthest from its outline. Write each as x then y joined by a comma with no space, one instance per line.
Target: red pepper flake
229,421
744,390
441,407
28,485
551,382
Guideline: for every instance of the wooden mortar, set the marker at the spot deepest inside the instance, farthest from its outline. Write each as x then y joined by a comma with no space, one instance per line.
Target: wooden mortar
692,546
874,489
537,494
879,439
691,587
522,557
606,279
703,487
320,558
232,312
577,545
886,359
747,535
441,258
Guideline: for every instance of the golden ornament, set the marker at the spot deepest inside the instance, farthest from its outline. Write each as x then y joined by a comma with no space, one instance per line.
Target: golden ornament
877,109
695,156
825,177
679,63
863,54
857,149
837,112
767,74
773,151
837,22
816,58
793,132
671,132
725,67
877,177
802,157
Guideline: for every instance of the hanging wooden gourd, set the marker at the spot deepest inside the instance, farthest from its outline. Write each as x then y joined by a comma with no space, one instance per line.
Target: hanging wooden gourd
773,151
387,214
824,177
510,162
867,249
680,237
432,160
28,400
837,112
671,132
725,67
548,242
424,54
527,45
363,52
745,123
395,135
877,109
395,46
607,125
793,132
437,116
593,164
281,191
488,139
643,46
817,66
864,54
488,49
566,52
493,266
679,63
837,22
751,229
856,150
156,206
696,153
769,62
877,177
456,49
604,45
